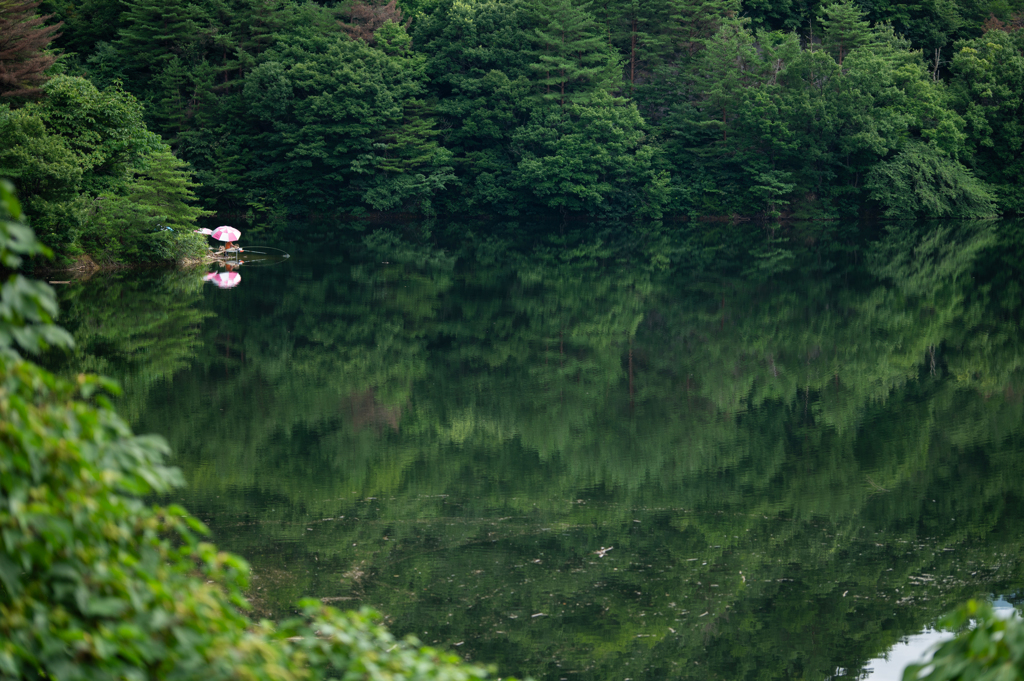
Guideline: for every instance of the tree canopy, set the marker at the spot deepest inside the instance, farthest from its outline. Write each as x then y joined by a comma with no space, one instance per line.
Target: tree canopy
608,109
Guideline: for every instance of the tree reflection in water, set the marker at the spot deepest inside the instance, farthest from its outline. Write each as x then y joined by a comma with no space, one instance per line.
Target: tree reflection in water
796,467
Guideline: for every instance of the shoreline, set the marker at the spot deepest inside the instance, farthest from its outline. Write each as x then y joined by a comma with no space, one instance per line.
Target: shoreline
84,268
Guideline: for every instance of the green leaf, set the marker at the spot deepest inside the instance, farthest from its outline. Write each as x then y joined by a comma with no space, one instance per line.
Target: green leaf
10,576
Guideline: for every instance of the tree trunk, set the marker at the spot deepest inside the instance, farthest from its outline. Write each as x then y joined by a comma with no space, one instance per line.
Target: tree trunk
632,55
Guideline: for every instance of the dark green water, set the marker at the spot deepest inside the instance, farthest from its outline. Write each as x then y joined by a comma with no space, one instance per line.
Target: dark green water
580,467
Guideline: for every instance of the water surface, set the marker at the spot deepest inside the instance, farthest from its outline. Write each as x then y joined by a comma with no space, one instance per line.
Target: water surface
583,466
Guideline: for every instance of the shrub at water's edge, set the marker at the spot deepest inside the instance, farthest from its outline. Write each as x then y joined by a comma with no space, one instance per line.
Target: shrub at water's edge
95,583
95,180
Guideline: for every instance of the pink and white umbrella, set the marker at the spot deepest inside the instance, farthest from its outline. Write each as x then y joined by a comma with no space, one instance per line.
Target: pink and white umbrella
224,279
205,231
225,233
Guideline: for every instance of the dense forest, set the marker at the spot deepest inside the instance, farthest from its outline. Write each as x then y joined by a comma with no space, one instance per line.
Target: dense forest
116,112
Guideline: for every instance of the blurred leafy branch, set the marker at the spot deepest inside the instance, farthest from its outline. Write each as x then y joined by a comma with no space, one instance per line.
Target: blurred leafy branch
991,650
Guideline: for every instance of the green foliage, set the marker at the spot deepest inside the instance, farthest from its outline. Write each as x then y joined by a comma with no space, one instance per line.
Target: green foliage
989,647
844,29
658,39
732,133
541,129
95,179
27,308
769,109
348,125
921,181
104,129
776,128
46,171
987,90
479,74
156,34
591,158
407,164
574,63
87,23
150,218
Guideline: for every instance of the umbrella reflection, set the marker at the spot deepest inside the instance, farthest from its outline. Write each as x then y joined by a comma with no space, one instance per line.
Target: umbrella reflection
229,279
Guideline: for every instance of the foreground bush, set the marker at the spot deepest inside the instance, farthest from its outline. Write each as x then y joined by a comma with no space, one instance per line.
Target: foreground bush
97,584
989,648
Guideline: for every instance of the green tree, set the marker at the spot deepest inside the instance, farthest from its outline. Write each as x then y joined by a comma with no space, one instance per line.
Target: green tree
582,148
592,158
845,29
574,62
154,33
87,24
184,98
986,90
664,40
407,165
95,179
347,125
149,218
104,128
730,133
886,100
478,72
46,171
922,181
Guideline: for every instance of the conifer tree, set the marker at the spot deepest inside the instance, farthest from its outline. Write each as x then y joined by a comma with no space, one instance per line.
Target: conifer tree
165,186
259,20
223,26
407,164
184,97
154,32
478,73
574,60
642,37
23,42
87,23
661,41
728,71
845,29
659,36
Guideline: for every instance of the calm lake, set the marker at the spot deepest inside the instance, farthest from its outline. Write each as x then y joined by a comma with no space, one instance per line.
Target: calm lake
572,461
